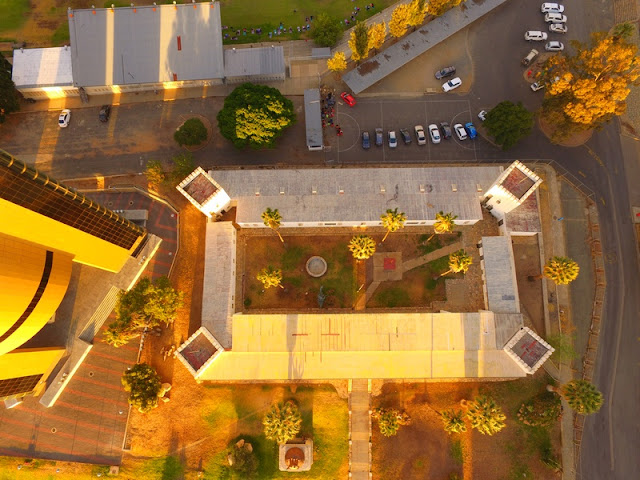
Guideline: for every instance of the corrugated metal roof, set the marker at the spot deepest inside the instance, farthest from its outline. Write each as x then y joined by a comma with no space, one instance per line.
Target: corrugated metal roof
313,117
42,67
254,61
362,198
146,44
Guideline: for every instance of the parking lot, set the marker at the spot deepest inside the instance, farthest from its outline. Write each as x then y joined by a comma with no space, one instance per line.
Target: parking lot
372,113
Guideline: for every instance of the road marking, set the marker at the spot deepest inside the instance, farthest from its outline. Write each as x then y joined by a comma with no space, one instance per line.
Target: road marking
581,173
357,125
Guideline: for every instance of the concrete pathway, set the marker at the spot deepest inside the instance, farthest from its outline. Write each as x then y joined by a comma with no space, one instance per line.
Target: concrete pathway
359,430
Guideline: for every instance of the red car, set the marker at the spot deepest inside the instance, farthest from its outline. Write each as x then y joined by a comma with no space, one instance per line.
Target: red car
348,99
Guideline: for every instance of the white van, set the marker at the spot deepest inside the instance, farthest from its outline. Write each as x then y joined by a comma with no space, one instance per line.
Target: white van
535,35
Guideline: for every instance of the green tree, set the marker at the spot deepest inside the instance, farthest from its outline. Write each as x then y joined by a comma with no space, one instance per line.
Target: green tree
561,270
326,30
183,166
484,415
146,305
453,421
508,123
582,396
362,247
155,174
458,262
255,115
390,420
9,99
444,224
588,89
270,277
192,132
359,41
623,31
282,422
272,219
143,384
392,221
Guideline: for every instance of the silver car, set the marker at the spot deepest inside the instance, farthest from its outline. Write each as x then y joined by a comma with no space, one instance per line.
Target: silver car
393,140
555,18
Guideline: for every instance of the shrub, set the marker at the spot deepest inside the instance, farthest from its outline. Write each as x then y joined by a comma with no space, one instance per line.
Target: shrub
390,420
541,411
282,422
191,132
155,173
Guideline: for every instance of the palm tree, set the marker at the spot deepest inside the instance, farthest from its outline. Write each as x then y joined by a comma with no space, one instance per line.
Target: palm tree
561,270
270,277
362,247
444,224
272,219
392,221
458,262
485,415
453,421
390,420
582,396
282,422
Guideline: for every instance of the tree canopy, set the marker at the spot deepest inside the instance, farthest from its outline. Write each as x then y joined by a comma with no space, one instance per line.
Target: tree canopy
143,384
438,7
359,41
508,123
561,270
192,132
399,20
377,34
459,261
586,90
362,247
255,115
417,12
337,63
485,416
393,221
453,421
282,422
9,100
270,277
326,30
582,396
272,218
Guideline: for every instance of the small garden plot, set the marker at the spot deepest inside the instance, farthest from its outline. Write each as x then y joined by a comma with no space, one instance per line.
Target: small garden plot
299,289
423,450
241,409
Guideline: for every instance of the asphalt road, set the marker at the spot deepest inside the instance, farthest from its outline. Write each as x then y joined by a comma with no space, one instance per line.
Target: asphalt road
495,46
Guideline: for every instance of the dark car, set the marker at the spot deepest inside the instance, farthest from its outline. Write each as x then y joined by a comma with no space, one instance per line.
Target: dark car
379,137
105,112
446,129
406,137
366,144
445,72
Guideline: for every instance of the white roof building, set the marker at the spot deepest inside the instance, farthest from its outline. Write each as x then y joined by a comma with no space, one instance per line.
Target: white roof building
42,67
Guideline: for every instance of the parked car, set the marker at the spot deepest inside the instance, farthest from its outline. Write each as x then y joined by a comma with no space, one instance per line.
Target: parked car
551,7
434,133
558,28
406,138
64,118
393,140
471,130
105,113
452,84
535,86
555,18
366,143
535,35
460,131
446,130
530,56
445,72
554,46
482,115
378,137
422,140
348,99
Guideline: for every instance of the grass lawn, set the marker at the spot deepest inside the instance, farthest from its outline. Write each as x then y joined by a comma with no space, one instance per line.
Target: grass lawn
324,419
46,469
12,14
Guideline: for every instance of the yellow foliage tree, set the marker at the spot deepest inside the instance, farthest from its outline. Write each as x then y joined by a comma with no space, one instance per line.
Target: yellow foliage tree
591,87
438,7
359,42
337,63
417,12
377,33
399,20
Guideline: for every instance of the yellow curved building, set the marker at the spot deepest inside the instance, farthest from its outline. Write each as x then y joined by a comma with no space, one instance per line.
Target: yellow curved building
44,227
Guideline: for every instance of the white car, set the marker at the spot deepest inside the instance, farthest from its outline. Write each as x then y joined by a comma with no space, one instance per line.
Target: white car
422,140
460,131
551,7
536,86
558,28
555,18
434,133
535,35
64,118
452,84
393,140
554,46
